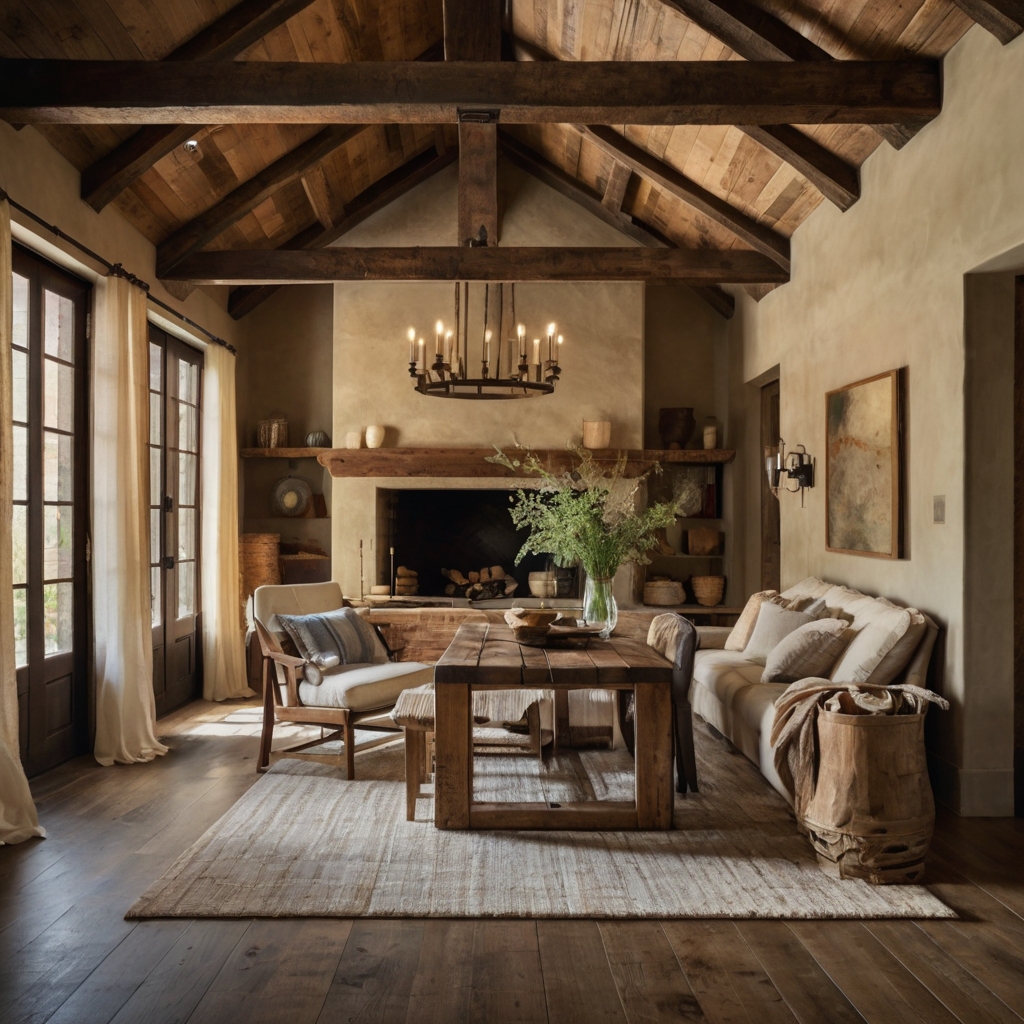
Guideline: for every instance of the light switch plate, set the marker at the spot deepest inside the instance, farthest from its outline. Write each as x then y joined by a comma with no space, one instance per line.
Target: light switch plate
939,508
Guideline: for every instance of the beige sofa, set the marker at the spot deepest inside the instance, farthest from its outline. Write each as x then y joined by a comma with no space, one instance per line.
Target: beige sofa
727,690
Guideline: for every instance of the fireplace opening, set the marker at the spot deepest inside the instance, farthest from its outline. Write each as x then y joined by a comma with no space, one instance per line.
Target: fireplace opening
466,530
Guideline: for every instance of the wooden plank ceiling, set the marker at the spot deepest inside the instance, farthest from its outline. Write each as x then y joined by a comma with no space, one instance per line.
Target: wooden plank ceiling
264,186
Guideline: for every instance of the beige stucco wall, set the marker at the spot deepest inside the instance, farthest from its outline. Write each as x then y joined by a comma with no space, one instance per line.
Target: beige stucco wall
602,357
882,286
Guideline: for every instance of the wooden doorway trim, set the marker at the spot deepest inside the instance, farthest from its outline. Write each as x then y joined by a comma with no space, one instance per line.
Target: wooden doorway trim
771,547
1018,552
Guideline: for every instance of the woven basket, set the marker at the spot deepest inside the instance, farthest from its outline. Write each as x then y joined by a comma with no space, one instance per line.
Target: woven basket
663,593
708,589
258,561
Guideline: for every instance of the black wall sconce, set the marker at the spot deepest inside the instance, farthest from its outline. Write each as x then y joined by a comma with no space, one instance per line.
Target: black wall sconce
797,465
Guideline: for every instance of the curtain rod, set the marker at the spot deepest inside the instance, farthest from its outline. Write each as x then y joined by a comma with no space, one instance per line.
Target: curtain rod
117,270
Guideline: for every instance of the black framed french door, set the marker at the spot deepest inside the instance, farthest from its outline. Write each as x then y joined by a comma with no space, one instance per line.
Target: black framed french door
50,361
175,406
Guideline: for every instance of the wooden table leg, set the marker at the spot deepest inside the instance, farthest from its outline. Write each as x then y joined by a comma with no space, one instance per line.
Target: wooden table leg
453,765
415,745
653,722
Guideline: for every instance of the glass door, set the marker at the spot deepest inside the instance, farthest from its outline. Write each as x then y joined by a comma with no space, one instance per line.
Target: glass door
50,432
175,396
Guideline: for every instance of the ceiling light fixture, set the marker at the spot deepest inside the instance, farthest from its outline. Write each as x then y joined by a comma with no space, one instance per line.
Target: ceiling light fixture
191,146
508,367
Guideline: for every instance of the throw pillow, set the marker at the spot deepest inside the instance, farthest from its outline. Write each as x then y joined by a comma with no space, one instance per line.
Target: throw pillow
877,633
810,650
748,618
901,652
774,624
342,633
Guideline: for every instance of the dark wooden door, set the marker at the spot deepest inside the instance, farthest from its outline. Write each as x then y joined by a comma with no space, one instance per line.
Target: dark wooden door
175,385
771,543
1018,555
50,514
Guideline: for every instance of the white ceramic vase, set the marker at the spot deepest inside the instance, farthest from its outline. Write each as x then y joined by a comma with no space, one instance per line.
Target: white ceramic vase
374,436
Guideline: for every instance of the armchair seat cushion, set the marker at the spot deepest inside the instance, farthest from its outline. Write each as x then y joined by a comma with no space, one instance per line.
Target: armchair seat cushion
365,687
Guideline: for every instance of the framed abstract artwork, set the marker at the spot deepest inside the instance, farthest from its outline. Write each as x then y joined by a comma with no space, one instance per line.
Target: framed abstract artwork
863,467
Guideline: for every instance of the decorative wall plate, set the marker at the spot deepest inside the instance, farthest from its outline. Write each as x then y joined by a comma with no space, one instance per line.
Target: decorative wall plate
291,496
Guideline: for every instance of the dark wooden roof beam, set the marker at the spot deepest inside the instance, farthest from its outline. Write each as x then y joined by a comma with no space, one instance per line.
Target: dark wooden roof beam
228,36
406,92
757,35
1003,18
477,263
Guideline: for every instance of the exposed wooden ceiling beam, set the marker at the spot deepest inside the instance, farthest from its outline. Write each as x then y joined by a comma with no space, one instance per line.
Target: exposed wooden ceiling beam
477,263
191,237
837,180
1003,18
757,35
246,298
227,37
318,192
572,188
472,32
597,92
616,185
669,180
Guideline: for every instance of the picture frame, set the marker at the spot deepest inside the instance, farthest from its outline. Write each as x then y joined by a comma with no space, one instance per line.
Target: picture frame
864,467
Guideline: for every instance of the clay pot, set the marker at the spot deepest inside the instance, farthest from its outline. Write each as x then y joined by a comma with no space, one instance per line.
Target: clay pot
374,436
676,427
597,433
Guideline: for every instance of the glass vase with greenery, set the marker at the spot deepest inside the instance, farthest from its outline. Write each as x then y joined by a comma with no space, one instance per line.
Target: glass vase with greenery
588,515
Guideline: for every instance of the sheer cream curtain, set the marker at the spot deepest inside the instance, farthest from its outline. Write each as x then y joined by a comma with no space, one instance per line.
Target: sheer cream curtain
18,820
125,706
224,674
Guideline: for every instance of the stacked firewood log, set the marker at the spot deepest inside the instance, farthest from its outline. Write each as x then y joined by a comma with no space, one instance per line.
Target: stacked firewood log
490,582
407,582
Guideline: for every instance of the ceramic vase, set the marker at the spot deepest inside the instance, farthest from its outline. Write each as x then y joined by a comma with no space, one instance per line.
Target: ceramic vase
374,436
710,434
354,439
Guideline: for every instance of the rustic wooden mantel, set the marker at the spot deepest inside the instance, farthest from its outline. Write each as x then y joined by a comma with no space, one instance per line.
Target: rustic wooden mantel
472,462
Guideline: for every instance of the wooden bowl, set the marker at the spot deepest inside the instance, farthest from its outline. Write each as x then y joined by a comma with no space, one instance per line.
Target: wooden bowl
531,618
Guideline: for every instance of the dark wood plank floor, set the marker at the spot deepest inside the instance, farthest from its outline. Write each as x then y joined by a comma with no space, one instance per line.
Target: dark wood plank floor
67,954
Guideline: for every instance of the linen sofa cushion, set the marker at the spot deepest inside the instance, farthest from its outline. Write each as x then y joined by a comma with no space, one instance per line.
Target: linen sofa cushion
741,632
902,651
806,590
723,672
774,623
365,687
341,632
810,650
878,628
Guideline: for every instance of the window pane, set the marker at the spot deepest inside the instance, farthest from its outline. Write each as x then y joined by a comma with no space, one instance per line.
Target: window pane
155,479
187,533
154,535
156,419
188,382
20,375
186,588
21,463
186,479
57,465
58,617
58,326
59,399
20,544
20,626
154,595
57,521
156,367
20,311
188,427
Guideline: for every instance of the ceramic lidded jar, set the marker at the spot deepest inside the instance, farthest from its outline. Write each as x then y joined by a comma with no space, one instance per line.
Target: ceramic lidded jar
374,436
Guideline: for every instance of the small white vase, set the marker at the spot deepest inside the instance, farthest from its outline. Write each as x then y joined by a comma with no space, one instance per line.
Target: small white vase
710,436
354,439
374,436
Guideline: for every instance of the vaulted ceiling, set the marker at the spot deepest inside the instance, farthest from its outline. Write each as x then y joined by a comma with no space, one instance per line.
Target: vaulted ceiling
263,186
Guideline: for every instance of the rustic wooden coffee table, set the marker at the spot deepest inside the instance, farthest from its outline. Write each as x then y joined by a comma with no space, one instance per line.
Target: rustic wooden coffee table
488,656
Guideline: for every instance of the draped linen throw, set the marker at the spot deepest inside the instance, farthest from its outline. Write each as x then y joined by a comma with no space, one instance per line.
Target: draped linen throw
18,820
224,672
122,615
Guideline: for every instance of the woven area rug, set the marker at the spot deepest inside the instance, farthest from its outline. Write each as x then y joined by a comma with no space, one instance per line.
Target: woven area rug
304,842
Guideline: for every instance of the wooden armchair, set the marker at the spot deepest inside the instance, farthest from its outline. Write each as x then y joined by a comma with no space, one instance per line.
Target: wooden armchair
352,696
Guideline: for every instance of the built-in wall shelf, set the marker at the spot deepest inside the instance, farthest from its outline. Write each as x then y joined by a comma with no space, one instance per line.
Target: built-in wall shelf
282,453
472,462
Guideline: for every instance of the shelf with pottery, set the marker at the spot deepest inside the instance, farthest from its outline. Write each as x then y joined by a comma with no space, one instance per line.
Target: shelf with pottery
472,462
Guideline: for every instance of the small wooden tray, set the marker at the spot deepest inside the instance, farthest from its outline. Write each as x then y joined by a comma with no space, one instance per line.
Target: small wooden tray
562,636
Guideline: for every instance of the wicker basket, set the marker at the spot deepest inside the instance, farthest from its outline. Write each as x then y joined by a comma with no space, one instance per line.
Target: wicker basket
708,589
258,561
663,593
